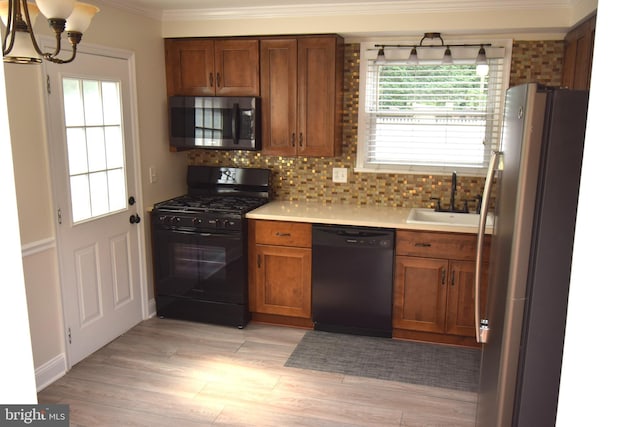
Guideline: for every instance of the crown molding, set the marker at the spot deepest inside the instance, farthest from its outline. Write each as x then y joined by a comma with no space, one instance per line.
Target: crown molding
135,8
357,8
334,8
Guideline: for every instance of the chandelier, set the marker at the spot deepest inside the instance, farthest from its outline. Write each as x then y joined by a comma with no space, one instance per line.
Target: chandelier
19,44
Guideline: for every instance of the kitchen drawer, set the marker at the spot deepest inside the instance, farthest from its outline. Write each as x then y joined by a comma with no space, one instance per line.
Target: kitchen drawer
282,233
427,244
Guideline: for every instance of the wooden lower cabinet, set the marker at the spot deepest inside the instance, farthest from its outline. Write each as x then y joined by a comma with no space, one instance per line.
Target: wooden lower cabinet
434,296
420,294
283,281
280,272
460,300
433,285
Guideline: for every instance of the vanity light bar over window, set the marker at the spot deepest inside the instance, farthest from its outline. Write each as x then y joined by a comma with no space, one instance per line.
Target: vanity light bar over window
430,116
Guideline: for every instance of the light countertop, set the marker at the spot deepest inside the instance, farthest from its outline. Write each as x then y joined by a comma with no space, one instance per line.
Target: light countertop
346,214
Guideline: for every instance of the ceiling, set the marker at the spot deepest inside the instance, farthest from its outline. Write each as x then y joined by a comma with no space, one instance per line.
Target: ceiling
233,9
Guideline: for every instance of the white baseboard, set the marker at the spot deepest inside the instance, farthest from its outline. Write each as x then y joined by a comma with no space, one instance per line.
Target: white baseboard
51,371
151,308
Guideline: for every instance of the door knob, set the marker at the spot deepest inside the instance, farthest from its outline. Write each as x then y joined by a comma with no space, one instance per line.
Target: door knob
134,219
132,201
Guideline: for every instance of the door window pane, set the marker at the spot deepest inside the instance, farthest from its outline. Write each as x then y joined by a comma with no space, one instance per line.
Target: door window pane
80,201
99,193
95,147
111,103
77,151
92,102
113,146
117,196
73,105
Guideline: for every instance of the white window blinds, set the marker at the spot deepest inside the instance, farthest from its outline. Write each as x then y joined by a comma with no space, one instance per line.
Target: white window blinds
430,117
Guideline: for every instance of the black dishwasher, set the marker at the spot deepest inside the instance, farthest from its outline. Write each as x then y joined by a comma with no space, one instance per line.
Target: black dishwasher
352,279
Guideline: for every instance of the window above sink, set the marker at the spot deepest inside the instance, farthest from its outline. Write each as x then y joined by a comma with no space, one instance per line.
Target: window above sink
430,117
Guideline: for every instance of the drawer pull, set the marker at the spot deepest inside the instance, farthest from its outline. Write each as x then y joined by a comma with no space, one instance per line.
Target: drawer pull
422,245
279,234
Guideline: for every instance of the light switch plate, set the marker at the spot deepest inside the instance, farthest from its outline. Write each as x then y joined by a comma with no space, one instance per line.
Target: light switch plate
340,175
153,176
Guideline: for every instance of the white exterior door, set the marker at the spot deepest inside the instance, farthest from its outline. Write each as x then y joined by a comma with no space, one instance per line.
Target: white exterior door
90,118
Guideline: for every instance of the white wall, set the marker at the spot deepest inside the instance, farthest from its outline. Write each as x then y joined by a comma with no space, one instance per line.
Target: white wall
600,371
25,97
16,363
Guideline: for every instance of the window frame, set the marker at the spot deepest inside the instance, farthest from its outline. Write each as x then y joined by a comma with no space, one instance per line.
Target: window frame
368,52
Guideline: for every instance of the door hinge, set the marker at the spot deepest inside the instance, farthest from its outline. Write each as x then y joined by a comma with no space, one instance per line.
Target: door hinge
59,216
48,84
69,334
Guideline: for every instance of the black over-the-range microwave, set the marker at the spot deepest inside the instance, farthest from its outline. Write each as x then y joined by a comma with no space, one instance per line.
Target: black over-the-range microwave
215,122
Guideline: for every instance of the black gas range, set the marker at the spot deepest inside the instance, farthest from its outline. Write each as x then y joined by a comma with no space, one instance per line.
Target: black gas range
200,245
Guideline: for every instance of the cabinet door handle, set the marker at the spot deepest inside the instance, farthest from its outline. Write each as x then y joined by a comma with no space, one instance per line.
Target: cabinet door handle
211,79
422,245
293,139
218,78
444,276
300,140
259,260
453,278
279,234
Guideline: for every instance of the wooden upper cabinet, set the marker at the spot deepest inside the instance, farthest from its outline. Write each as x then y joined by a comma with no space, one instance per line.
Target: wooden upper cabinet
301,90
207,67
319,96
578,55
189,66
279,87
237,68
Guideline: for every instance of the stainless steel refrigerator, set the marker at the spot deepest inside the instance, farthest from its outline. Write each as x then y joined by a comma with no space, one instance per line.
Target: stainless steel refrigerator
535,180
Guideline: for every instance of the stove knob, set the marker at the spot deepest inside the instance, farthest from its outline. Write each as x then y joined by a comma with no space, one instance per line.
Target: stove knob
197,221
175,219
226,223
166,219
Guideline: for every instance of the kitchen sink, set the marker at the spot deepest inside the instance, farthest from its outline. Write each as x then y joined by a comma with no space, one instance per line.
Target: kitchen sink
430,216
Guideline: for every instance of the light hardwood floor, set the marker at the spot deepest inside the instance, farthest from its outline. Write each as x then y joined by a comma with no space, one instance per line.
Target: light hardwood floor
172,373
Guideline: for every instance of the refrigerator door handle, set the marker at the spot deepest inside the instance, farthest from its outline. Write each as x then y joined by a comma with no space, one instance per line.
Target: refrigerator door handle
482,327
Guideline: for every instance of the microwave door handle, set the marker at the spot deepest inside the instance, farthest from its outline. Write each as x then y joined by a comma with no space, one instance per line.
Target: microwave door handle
235,113
481,329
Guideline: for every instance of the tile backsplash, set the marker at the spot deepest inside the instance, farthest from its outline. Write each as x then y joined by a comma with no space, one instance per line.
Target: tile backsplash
310,178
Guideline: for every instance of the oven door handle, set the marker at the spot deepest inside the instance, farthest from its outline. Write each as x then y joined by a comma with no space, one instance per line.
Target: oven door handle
196,233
